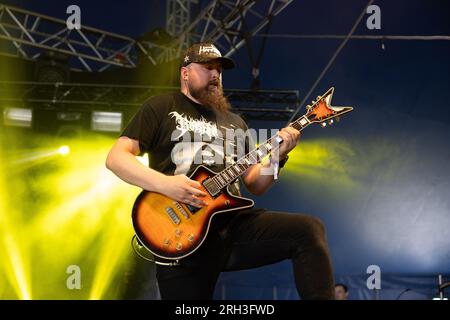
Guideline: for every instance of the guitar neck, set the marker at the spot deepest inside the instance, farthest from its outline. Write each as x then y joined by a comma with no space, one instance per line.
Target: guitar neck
231,173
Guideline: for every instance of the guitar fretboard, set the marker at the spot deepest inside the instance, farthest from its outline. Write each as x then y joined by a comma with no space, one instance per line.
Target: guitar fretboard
231,173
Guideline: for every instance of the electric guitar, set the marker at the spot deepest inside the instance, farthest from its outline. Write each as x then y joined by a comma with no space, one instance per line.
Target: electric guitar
174,230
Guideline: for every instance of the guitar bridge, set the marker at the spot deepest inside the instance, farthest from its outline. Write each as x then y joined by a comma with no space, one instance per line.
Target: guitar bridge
181,209
173,216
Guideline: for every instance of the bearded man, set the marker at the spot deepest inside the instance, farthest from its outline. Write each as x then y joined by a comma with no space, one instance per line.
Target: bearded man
184,129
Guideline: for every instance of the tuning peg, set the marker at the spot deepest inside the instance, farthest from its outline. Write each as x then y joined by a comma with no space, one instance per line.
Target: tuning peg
318,98
308,107
330,122
323,124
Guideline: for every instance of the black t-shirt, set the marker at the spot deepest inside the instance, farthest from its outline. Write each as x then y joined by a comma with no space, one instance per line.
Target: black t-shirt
179,134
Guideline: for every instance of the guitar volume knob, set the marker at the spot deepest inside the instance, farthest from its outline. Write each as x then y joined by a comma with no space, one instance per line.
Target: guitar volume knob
166,242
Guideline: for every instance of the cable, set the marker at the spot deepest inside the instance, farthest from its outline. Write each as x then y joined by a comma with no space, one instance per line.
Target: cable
356,37
401,293
341,46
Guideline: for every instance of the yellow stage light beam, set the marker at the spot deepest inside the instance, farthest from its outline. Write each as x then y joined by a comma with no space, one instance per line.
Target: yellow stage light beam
322,165
83,202
114,248
82,180
12,245
85,182
15,266
29,158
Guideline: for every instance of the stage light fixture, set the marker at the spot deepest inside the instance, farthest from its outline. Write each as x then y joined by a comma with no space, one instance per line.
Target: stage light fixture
106,121
17,117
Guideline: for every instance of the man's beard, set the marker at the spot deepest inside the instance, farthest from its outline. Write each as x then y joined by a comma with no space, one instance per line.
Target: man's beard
212,96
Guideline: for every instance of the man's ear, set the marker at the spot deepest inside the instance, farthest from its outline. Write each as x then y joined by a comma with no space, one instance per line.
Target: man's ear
184,73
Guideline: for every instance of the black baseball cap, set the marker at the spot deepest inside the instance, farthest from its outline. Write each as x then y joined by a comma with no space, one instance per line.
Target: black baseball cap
204,52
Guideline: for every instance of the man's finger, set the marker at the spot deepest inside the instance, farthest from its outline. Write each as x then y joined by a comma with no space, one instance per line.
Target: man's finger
289,136
195,204
194,183
292,129
198,201
192,201
197,192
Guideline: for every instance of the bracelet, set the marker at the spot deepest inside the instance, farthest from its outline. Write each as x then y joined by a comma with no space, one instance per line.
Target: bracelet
277,165
283,162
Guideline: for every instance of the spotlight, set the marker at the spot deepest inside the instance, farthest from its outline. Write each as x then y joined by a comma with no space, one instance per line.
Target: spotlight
106,121
64,150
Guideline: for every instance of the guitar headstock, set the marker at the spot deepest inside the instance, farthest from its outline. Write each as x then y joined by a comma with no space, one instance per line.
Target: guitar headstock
321,111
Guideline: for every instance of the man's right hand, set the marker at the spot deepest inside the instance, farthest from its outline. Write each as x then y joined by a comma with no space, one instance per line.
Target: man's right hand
183,189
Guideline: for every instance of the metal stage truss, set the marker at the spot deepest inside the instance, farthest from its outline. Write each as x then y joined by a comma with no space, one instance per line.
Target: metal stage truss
27,34
228,23
76,97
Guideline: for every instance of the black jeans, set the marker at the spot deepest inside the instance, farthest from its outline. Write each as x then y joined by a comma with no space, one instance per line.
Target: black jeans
250,239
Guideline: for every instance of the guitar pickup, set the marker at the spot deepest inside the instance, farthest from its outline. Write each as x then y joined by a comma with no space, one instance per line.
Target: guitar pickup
173,216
